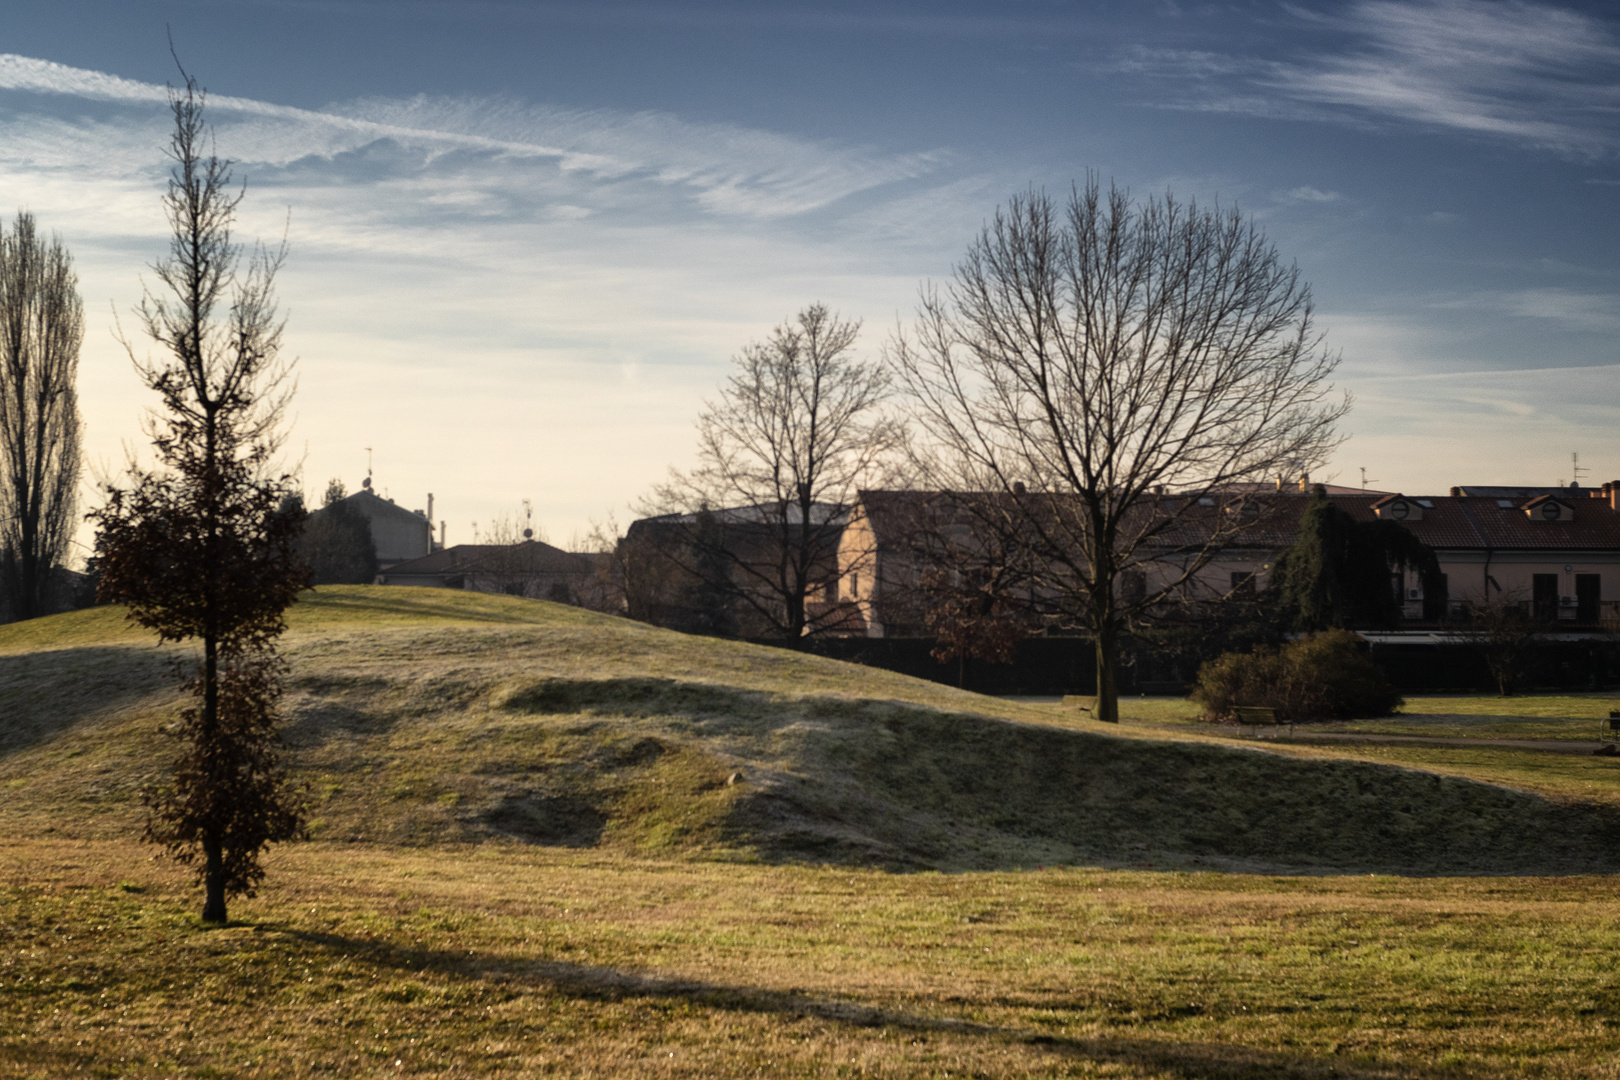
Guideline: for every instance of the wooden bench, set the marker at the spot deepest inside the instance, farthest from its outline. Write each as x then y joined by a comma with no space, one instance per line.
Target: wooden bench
1256,715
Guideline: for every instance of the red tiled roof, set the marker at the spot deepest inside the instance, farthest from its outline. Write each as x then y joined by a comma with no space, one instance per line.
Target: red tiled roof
1451,522
1447,523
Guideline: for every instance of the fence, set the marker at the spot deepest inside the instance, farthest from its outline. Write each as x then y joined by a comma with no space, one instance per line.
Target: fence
1045,666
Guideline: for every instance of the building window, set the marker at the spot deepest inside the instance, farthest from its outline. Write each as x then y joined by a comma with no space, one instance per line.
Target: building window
1436,598
1588,594
1544,596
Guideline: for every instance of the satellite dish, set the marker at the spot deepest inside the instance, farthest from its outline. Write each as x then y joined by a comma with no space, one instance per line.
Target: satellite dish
528,534
366,483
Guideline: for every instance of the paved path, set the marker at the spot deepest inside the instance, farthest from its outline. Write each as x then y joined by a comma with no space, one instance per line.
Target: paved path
1555,746
1302,733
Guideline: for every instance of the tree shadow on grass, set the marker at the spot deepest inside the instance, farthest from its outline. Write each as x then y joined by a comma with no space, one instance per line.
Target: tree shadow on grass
897,784
1201,1060
45,694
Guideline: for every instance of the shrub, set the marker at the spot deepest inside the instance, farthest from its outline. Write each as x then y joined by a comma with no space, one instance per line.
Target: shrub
1325,676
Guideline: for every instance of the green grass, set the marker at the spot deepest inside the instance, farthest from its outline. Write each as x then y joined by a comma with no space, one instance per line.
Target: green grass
360,961
431,717
1536,717
1557,717
554,843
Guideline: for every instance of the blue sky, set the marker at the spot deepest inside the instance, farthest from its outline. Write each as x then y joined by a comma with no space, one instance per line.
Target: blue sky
527,237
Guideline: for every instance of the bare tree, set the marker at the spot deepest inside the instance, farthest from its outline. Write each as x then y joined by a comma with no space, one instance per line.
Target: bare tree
202,549
782,453
1101,380
1505,634
41,328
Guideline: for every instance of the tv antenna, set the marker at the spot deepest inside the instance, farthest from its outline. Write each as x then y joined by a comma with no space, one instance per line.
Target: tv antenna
1575,470
1364,478
367,449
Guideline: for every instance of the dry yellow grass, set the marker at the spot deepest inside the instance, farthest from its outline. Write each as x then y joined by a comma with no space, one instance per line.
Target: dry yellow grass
362,961
663,922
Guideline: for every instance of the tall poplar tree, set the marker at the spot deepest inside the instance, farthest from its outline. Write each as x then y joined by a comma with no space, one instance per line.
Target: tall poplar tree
41,328
200,548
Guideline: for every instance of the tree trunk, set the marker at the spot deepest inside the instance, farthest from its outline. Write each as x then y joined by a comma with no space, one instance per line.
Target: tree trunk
213,881
1107,707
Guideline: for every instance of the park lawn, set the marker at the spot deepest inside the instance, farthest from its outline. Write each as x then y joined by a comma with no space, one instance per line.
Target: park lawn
681,940
1556,717
501,960
1564,777
1565,717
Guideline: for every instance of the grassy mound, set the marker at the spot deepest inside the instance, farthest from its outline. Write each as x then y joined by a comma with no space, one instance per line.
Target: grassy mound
432,717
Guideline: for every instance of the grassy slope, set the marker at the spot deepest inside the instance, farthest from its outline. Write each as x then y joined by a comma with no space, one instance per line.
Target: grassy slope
426,716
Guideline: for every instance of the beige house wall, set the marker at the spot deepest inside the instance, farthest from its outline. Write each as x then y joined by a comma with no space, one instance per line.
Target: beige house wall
1511,577
859,565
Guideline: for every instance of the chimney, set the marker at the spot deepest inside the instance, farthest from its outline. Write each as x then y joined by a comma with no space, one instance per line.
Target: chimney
1611,492
1305,483
1456,493
430,506
441,536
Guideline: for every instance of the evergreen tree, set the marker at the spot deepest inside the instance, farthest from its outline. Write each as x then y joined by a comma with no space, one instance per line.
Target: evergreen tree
1340,573
204,548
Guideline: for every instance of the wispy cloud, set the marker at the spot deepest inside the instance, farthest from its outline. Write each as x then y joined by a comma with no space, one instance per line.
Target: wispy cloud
1308,195
1593,313
727,169
732,170
473,274
1529,72
1533,73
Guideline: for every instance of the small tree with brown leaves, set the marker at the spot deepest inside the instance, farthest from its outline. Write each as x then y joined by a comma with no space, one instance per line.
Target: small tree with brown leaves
199,548
970,590
973,621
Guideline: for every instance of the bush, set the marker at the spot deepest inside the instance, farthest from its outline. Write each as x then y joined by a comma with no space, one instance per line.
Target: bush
1325,676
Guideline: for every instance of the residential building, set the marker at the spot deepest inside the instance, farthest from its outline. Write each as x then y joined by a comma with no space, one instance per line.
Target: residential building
731,571
1553,552
531,568
400,535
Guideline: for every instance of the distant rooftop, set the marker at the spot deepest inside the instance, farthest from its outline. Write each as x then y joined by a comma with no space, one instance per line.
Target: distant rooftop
1511,491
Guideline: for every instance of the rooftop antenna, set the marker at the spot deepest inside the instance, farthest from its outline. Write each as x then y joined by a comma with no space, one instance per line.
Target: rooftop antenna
1364,478
1575,470
528,520
367,449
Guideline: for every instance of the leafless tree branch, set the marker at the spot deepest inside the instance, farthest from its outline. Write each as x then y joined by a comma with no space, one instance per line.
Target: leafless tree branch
1104,381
